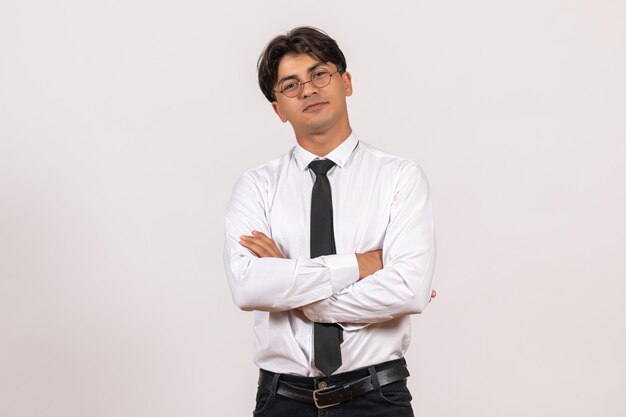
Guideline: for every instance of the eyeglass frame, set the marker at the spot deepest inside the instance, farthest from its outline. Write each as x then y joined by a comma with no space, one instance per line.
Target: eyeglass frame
301,84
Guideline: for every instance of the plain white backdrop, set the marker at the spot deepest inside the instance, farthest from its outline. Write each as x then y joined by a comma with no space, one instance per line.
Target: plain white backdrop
124,125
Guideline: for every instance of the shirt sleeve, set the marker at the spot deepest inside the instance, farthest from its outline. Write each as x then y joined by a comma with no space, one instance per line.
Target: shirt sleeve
275,284
403,286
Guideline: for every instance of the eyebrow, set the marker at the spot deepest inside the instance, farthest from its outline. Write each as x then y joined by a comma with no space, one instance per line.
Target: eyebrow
295,77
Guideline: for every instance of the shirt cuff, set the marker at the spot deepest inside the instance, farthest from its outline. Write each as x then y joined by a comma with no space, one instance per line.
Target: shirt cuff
344,270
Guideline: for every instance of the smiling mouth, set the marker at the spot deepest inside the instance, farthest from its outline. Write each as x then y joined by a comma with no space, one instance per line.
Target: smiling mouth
314,107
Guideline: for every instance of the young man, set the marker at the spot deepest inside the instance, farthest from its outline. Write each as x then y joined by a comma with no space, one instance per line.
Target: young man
331,245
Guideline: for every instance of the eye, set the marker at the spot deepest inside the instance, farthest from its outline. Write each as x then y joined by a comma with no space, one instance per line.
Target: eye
320,74
290,85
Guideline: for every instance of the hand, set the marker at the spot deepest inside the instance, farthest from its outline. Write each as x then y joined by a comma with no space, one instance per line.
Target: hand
369,262
432,295
261,245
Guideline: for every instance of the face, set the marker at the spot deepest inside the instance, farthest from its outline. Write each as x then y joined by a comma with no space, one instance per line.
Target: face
315,110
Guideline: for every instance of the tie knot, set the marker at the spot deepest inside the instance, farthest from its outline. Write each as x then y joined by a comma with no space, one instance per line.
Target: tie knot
321,166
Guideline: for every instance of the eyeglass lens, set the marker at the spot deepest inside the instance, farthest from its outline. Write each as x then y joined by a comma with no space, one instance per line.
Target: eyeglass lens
320,79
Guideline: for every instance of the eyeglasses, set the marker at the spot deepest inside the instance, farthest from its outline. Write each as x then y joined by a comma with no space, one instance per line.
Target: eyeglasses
319,78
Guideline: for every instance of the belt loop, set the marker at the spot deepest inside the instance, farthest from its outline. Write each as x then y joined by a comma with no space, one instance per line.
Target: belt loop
374,377
274,384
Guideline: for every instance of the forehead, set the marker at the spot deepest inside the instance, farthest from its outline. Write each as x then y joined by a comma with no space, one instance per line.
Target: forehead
296,64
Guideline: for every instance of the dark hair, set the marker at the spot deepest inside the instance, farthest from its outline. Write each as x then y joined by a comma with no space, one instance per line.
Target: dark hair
301,40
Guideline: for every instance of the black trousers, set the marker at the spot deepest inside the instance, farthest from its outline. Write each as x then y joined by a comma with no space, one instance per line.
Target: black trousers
392,400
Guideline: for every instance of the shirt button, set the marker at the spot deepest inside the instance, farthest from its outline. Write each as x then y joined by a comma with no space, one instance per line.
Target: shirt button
322,385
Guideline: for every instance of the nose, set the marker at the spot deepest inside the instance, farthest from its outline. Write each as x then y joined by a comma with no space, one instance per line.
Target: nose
308,89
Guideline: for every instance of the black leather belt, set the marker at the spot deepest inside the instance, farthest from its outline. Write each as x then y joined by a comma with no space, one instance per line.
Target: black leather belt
328,396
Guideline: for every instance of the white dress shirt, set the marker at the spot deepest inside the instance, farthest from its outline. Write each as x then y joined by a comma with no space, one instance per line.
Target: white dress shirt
380,201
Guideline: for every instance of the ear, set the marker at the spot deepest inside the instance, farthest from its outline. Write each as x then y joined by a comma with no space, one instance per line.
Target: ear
278,111
347,80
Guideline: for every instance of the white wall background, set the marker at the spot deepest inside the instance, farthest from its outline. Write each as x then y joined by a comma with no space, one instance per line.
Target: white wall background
124,125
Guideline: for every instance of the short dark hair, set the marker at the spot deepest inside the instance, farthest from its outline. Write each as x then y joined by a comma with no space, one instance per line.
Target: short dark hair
300,40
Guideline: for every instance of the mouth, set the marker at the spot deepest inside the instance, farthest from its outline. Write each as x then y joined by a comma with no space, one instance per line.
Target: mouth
315,106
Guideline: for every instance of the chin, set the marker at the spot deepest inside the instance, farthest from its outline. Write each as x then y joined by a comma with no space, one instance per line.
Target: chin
319,126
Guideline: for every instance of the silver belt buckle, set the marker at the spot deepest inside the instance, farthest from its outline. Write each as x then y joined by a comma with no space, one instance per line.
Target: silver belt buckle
315,398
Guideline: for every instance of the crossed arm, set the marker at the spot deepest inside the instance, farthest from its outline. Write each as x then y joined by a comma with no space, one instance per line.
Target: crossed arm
345,288
264,247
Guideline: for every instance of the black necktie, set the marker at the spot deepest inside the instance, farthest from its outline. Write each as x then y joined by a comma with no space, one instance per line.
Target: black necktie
326,336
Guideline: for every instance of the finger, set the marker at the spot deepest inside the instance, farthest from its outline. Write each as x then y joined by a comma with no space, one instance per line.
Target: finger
269,249
259,234
247,246
269,243
261,247
254,246
263,237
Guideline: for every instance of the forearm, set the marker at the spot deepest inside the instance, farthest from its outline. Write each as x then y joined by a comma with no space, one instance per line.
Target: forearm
398,289
277,284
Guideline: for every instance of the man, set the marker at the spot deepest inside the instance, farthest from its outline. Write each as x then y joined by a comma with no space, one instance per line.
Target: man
331,245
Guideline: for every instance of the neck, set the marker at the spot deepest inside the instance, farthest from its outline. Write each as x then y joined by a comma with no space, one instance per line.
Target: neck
322,143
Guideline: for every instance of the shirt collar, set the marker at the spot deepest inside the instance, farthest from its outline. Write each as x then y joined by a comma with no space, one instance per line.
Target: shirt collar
339,155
